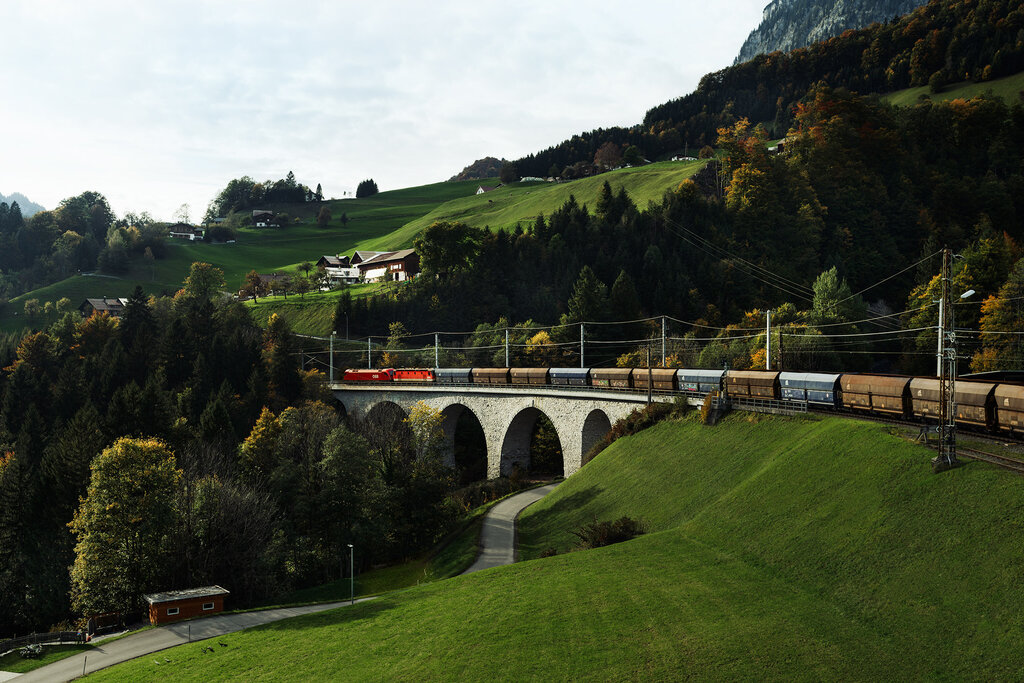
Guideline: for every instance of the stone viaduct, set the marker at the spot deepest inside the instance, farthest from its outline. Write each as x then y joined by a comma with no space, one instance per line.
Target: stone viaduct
507,414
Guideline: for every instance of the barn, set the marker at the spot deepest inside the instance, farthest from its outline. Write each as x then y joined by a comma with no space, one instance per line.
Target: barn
170,606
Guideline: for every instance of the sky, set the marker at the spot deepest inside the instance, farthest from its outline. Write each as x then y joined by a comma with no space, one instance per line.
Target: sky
160,104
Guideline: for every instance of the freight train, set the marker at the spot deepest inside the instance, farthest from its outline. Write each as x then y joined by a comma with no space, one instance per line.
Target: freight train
986,405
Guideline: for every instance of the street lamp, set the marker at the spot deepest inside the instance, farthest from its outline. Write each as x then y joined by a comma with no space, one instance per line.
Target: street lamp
351,574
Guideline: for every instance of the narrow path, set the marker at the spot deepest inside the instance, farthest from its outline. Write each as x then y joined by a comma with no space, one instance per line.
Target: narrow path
147,642
498,537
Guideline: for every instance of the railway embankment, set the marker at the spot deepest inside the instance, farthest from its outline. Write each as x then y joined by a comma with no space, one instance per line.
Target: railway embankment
777,548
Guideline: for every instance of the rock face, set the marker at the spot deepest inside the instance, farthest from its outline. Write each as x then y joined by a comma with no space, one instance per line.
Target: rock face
789,24
488,167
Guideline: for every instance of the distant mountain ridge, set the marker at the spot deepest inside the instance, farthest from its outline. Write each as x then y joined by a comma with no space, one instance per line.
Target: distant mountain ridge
789,24
27,206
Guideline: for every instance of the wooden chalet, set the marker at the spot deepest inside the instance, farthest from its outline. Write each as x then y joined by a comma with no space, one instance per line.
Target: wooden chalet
394,265
185,604
112,307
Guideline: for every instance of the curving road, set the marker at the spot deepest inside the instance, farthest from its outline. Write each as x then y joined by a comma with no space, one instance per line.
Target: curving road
498,547
498,537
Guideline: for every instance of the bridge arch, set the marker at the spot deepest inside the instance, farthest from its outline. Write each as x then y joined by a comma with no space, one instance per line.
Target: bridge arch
517,440
384,426
595,427
465,444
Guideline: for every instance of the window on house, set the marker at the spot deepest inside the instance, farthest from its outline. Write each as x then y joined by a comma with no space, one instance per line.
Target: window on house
207,605
171,611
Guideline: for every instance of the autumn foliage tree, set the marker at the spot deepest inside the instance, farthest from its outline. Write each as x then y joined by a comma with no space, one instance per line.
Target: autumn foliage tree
122,526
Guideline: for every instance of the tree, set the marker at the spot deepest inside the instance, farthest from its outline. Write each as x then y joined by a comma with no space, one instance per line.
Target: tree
625,302
182,214
121,526
302,285
319,195
254,286
324,217
344,219
608,155
632,156
282,373
397,335
508,173
366,188
1002,319
427,433
589,298
203,281
445,247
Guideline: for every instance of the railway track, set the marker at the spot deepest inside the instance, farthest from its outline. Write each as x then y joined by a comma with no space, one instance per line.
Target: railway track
1012,464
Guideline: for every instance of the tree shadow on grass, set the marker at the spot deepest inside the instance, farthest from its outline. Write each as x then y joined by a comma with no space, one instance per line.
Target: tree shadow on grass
349,614
540,518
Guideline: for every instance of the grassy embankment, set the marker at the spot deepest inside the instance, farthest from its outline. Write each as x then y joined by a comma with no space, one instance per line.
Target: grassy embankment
778,548
15,664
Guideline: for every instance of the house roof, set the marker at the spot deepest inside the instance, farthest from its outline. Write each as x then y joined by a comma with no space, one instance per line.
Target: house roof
173,596
388,257
105,304
261,212
335,261
360,256
272,277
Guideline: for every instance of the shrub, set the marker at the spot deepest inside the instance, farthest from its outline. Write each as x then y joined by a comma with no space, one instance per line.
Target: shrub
599,534
482,492
705,409
548,552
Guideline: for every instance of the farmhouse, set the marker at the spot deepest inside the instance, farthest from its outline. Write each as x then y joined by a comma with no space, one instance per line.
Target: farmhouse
112,307
360,256
394,265
185,604
263,219
184,231
339,270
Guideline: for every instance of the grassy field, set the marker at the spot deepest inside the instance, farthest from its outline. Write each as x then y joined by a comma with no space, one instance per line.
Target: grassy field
778,548
1009,88
311,314
522,202
13,663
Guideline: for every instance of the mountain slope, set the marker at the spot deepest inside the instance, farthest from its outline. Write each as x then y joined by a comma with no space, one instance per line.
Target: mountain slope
789,24
27,206
779,549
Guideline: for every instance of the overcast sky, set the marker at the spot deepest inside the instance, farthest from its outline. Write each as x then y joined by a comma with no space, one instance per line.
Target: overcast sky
156,104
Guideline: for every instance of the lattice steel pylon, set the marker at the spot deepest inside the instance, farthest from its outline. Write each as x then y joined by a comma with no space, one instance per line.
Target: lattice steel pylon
946,459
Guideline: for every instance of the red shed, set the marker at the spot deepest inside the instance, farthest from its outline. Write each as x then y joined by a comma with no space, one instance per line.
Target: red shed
186,604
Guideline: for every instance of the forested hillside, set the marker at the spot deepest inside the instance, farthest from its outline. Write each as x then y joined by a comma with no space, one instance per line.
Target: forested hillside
862,187
181,446
943,42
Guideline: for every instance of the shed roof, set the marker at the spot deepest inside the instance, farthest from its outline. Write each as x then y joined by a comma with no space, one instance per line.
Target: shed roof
173,596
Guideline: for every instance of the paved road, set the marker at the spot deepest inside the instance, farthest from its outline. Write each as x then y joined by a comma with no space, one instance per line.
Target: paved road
146,642
498,537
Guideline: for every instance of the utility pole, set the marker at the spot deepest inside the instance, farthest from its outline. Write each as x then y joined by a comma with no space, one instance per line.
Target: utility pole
331,364
650,378
768,340
664,359
436,350
946,459
506,349
369,353
782,351
581,345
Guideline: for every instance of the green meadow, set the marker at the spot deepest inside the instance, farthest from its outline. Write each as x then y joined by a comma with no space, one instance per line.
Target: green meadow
778,548
1009,88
